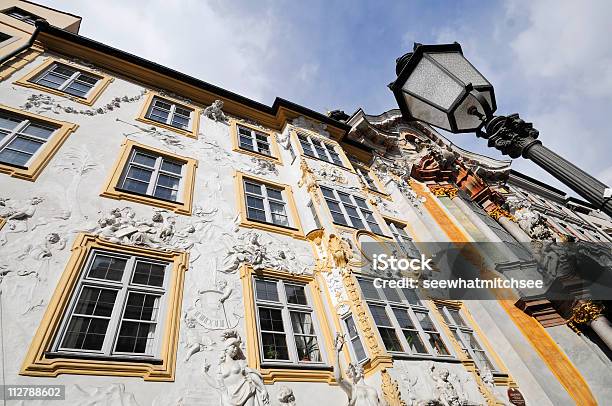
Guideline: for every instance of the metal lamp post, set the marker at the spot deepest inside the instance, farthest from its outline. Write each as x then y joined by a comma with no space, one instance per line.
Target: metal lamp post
437,85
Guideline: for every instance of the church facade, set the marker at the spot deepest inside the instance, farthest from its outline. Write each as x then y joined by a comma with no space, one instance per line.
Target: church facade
164,241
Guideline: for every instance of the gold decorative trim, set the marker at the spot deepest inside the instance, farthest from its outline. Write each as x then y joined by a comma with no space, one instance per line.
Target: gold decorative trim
234,123
110,187
497,212
443,190
296,231
2,222
94,93
271,375
47,151
195,115
390,389
36,363
583,313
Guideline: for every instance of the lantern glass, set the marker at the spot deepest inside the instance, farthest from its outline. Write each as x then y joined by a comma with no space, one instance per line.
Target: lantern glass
433,84
456,64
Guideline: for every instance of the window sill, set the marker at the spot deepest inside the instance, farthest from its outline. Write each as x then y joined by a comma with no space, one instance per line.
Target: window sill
363,230
297,373
275,228
255,154
121,194
441,358
120,358
188,133
327,162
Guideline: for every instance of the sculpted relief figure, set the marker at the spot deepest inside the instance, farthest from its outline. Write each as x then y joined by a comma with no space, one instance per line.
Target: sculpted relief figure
445,392
214,111
359,393
237,384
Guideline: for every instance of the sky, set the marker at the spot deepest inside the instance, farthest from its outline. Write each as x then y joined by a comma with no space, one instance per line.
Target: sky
549,60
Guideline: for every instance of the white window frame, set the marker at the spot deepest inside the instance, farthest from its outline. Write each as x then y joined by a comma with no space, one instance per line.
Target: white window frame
75,77
465,328
367,178
254,140
402,238
171,113
156,171
21,15
10,135
286,308
266,201
308,146
412,307
348,220
353,338
124,288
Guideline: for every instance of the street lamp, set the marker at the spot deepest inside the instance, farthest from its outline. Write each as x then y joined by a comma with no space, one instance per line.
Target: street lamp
436,84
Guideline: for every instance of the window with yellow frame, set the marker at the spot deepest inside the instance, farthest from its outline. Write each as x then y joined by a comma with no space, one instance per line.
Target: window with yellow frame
154,177
288,334
370,180
252,140
316,147
171,114
29,141
115,311
267,205
67,79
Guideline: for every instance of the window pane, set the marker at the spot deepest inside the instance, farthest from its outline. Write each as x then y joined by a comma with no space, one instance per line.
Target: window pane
345,198
171,182
252,188
141,306
357,223
87,79
38,131
137,173
425,321
302,323
96,302
274,194
271,319
368,289
391,294
414,341
457,319
355,340
135,337
24,145
438,345
403,319
246,143
180,121
165,193
380,316
328,193
307,349
266,290
274,346
296,294
255,214
144,159
361,203
159,115
150,274
411,296
85,333
63,70
255,202
77,89
390,339
8,123
106,267
169,166
135,186
14,157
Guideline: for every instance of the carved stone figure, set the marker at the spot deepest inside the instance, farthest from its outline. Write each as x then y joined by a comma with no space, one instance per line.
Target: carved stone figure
339,251
214,111
445,392
285,396
530,221
358,392
237,384
194,341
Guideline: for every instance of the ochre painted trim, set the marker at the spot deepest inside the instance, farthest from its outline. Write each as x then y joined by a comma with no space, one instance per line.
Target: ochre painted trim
195,115
183,207
36,362
46,152
19,61
296,231
276,157
2,222
348,166
94,93
271,375
553,356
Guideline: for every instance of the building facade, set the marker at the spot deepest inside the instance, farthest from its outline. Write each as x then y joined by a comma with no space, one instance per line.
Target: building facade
167,242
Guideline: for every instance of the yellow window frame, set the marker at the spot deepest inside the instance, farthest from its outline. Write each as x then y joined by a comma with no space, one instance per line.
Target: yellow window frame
276,157
195,115
348,166
292,374
37,363
47,151
110,189
94,93
295,231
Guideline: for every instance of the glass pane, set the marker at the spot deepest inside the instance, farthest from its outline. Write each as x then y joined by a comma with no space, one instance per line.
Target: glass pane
275,194
158,103
368,289
345,198
411,296
63,70
255,214
266,290
143,159
171,182
354,336
437,344
14,157
414,341
302,323
38,131
307,349
482,360
106,267
165,193
246,143
159,115
296,294
137,173
8,123
271,319
403,319
458,320
141,306
361,203
357,223
328,193
169,166
150,274
96,302
274,346
24,145
425,321
135,186
244,131
390,339
135,337
255,202
252,188
77,89
85,333
180,121
380,316
87,79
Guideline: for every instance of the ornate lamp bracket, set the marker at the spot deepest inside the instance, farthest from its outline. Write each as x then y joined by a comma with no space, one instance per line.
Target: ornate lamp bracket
510,134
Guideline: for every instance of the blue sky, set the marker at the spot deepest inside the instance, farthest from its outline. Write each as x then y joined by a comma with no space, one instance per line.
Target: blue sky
550,61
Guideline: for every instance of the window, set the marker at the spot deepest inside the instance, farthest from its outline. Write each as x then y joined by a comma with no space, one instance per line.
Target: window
315,216
365,176
21,138
285,322
317,148
465,337
29,141
402,321
403,239
253,141
172,114
22,15
147,175
114,303
4,37
354,338
349,210
153,175
116,307
67,79
265,203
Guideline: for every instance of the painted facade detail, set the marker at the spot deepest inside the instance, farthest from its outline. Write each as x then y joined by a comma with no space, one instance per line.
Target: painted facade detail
214,111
